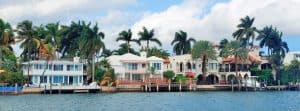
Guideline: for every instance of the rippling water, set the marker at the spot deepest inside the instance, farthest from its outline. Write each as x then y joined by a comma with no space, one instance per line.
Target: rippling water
177,101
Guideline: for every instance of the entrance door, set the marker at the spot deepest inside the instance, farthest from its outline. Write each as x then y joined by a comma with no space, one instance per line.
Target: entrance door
70,80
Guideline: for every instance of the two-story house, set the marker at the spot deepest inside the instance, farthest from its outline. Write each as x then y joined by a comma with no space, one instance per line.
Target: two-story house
56,72
132,67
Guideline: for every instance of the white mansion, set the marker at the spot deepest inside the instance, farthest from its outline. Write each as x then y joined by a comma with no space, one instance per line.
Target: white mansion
58,72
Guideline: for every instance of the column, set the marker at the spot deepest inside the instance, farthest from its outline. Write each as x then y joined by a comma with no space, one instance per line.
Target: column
130,76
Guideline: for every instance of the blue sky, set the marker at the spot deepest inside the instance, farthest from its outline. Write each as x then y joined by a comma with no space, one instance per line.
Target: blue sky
210,20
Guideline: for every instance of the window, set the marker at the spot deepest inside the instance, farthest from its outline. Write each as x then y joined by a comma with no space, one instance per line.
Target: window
132,66
57,79
75,79
70,67
78,67
36,66
43,79
80,79
297,55
57,67
194,66
143,65
35,79
50,67
157,66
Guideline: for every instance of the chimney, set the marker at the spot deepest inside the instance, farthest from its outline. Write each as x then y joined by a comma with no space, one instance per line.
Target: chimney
143,54
76,59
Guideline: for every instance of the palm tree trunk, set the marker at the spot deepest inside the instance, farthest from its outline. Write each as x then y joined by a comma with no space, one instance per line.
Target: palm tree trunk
128,46
28,67
236,72
147,45
42,78
204,68
0,58
93,69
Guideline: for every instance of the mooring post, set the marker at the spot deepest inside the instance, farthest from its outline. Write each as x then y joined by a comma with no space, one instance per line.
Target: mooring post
231,81
278,85
157,88
146,87
50,88
180,85
16,88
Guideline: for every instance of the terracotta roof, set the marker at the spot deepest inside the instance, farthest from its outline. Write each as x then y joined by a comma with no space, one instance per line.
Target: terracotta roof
166,61
250,59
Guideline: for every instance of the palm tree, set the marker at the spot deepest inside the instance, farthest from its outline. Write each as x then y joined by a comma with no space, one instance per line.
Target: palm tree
47,52
91,43
68,44
205,51
30,42
222,45
235,49
158,53
123,49
272,38
245,31
53,35
182,45
127,37
148,36
106,53
6,38
267,38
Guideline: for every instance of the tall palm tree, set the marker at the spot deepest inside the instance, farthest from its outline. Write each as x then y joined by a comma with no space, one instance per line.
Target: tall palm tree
70,37
235,49
53,35
6,38
158,53
222,45
246,31
127,37
203,50
123,49
91,43
30,42
272,38
47,52
148,36
182,45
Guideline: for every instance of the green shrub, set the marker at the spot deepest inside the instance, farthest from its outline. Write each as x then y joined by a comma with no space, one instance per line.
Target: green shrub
168,74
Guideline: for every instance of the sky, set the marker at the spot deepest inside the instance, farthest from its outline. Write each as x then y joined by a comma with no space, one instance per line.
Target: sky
211,20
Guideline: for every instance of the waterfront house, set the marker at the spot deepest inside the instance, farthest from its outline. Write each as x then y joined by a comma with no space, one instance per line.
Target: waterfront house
133,67
293,55
221,70
57,72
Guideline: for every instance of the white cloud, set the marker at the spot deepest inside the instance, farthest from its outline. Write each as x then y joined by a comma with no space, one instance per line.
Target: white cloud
47,9
222,19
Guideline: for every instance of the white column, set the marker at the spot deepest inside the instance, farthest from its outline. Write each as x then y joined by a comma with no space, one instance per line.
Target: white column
68,80
130,76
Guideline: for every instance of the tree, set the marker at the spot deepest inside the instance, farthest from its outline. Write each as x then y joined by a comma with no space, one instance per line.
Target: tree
148,36
91,43
31,42
158,53
272,38
182,45
123,49
245,31
293,70
127,37
235,49
71,36
47,52
168,74
222,45
6,39
203,50
53,35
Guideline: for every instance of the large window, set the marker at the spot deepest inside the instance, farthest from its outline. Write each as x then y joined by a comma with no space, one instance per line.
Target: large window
43,79
157,66
70,67
58,67
78,67
57,79
132,66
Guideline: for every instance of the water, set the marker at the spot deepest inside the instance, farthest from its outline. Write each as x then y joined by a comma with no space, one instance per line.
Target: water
177,101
